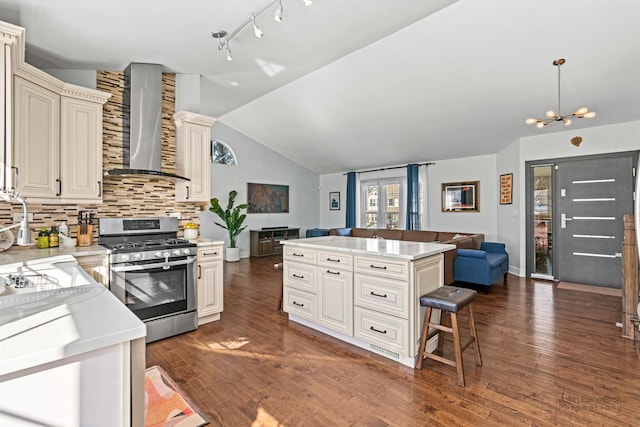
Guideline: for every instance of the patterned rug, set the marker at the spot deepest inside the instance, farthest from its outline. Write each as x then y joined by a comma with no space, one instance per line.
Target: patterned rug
166,405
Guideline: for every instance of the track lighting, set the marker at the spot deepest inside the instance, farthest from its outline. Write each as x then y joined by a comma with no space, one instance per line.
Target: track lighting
279,12
256,30
225,37
552,116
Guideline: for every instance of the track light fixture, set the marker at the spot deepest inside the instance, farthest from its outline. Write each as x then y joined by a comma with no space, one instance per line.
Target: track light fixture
279,12
225,37
552,116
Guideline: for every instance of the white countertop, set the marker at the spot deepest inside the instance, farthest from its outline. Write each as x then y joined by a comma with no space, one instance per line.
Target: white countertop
377,247
18,254
207,242
75,316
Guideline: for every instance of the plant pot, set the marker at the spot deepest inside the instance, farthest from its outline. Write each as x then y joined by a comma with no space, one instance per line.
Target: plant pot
232,254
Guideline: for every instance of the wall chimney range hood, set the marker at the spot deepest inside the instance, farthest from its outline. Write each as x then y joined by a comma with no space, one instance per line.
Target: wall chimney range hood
142,122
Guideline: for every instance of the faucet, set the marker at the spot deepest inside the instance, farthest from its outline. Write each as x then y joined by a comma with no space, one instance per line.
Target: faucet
24,236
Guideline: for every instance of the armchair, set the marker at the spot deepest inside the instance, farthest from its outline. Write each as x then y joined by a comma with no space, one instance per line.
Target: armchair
482,266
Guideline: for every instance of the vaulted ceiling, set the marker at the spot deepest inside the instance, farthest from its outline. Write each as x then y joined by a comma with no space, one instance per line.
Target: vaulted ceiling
351,84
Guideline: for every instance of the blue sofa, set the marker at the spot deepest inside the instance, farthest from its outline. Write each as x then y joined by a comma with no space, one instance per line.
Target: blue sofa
483,266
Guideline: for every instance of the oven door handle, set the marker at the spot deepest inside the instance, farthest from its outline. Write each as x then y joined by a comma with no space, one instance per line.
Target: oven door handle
165,265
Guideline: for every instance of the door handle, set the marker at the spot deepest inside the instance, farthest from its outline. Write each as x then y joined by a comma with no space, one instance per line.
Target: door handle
563,220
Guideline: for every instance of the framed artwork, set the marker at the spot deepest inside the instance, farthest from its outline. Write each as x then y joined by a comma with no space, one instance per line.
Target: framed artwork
334,200
506,189
461,196
267,198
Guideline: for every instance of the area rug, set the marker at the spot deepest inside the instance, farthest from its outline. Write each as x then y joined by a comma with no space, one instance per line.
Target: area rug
166,405
592,289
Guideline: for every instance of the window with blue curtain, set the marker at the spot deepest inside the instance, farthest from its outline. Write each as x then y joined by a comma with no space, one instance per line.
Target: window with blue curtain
413,198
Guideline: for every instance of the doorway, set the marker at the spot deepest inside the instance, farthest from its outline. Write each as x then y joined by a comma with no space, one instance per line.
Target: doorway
575,209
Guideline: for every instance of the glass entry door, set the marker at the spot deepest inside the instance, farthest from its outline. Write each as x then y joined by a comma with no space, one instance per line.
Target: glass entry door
542,217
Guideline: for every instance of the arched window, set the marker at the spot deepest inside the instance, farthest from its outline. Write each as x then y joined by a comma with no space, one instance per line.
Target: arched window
223,154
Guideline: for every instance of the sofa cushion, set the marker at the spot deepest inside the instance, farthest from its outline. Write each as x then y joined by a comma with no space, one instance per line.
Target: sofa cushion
340,232
389,234
419,236
362,232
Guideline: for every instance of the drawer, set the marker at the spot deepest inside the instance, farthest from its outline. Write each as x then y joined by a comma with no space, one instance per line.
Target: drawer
298,254
386,331
379,294
300,276
337,260
300,303
382,267
210,253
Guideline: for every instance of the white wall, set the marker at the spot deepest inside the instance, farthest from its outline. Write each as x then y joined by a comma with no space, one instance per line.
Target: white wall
84,78
510,216
258,164
479,168
328,184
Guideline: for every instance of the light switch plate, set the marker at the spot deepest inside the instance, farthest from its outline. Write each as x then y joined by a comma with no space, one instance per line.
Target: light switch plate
175,214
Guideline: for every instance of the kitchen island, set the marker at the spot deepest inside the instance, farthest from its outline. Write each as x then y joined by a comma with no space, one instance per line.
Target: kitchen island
363,291
70,353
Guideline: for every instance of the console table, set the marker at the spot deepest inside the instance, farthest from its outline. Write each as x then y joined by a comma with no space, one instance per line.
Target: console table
267,241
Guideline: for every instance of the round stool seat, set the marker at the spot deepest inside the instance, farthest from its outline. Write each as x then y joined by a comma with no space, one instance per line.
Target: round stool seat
448,298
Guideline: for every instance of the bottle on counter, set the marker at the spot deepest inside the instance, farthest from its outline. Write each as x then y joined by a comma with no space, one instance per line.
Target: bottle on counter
43,238
64,231
53,237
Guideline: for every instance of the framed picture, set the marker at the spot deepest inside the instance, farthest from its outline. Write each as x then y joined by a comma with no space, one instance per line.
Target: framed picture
506,189
267,198
334,200
461,196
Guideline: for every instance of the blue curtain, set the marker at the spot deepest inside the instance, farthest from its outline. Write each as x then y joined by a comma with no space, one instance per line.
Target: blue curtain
351,200
413,210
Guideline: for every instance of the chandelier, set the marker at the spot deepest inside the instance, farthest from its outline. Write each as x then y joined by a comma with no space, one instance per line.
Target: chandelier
552,116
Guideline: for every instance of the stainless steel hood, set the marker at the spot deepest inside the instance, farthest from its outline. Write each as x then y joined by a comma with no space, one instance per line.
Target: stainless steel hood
142,110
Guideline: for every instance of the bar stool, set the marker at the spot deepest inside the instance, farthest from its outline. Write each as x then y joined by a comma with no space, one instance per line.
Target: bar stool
450,300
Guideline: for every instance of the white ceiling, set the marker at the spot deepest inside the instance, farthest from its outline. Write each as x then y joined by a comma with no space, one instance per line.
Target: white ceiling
353,84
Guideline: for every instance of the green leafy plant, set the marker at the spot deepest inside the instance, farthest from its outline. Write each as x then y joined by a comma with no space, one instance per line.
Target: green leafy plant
232,217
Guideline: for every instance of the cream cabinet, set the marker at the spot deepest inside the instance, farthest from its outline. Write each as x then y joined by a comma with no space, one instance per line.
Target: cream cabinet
9,37
57,139
371,301
97,266
81,150
193,156
37,140
210,283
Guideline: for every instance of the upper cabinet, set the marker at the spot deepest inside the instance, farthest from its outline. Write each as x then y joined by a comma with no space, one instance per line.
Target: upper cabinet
57,135
193,156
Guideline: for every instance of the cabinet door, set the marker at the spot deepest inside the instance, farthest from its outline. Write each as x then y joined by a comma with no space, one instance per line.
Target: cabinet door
210,292
193,153
6,110
81,150
36,143
335,296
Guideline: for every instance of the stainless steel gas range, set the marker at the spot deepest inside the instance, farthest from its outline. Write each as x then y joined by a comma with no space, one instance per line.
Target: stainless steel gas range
153,272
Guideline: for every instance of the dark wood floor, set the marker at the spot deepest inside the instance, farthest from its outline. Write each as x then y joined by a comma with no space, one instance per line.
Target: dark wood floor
551,357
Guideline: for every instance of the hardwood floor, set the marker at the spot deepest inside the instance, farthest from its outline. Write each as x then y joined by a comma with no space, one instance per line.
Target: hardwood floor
550,357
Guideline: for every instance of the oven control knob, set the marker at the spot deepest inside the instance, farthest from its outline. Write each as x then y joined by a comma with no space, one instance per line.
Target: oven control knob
158,254
166,254
124,258
176,252
186,251
137,256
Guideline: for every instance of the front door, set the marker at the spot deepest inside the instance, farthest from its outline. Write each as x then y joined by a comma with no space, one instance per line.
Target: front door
592,196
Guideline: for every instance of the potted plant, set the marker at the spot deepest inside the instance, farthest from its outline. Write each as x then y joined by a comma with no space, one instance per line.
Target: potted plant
233,219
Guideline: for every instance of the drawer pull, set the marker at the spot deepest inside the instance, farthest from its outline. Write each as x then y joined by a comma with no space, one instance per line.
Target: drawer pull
295,303
377,295
209,253
377,330
384,267
337,273
295,254
297,277
333,260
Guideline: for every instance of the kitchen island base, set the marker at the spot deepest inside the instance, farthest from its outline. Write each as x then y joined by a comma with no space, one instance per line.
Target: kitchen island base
365,292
